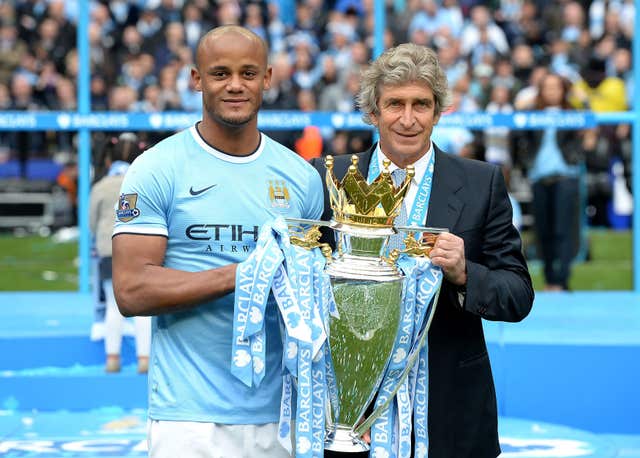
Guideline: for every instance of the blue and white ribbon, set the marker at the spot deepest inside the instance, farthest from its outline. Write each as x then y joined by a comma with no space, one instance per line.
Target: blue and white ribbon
418,214
302,292
253,284
305,301
384,432
391,432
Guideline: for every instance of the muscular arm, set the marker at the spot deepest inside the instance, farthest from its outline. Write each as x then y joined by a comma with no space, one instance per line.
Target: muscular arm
144,287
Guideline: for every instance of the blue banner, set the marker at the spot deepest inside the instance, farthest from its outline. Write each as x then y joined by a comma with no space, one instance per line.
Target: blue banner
290,120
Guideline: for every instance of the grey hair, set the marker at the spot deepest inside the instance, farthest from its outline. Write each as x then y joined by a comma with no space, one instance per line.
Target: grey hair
405,63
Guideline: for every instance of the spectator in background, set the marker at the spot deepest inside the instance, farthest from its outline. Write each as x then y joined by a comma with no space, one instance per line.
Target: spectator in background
46,86
497,140
120,152
359,54
498,144
254,20
480,84
122,98
25,144
151,102
338,144
228,12
136,73
65,101
149,24
340,37
600,93
195,25
169,98
130,44
597,91
29,68
560,59
169,11
573,22
57,12
309,145
50,44
328,77
11,50
101,57
71,65
341,95
524,99
99,97
621,68
523,62
169,46
277,27
434,21
124,13
504,76
305,73
453,64
5,144
67,179
552,158
281,95
483,30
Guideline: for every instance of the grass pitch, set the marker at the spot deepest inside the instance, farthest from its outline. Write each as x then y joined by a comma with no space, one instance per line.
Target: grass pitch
34,263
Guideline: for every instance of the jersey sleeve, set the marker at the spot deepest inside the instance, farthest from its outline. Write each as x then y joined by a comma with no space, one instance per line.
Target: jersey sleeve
314,202
145,194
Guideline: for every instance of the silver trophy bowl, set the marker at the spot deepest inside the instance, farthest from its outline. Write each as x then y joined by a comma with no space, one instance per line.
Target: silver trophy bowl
368,293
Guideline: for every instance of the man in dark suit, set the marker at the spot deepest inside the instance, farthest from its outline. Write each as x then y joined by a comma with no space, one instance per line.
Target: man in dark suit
403,93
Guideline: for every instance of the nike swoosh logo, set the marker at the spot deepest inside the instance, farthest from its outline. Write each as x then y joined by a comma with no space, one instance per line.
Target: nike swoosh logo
200,191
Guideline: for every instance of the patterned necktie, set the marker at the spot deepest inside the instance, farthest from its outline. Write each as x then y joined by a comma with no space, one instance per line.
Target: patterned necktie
397,241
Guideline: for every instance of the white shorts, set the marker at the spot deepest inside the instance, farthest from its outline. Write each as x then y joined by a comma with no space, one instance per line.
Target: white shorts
186,439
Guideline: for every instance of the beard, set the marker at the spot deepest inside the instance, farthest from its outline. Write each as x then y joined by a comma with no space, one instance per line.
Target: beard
230,118
234,120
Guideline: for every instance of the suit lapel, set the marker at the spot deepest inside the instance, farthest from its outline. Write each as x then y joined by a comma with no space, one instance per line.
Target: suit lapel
364,158
445,207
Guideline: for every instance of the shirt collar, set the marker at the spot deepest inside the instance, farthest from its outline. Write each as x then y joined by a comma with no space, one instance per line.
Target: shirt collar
420,165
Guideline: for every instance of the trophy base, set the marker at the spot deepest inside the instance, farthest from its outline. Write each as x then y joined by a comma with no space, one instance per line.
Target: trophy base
345,440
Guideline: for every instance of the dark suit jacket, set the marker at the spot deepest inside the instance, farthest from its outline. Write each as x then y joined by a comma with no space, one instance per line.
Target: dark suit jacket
470,199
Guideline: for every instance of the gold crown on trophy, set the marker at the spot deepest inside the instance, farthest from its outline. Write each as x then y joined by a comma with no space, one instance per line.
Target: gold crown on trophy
354,201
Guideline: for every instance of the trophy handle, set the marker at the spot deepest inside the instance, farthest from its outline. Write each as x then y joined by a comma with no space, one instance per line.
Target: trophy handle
308,238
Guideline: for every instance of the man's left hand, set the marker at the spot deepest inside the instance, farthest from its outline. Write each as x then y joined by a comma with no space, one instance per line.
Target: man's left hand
448,253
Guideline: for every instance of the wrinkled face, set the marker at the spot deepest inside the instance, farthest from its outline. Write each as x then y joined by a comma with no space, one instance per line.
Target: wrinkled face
232,73
405,121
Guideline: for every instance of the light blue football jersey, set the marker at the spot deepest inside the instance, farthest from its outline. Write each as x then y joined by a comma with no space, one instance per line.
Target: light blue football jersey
211,205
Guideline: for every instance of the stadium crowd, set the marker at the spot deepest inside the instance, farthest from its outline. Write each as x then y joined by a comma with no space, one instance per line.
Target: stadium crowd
495,53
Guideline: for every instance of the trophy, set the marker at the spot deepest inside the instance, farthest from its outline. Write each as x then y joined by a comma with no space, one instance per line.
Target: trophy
368,291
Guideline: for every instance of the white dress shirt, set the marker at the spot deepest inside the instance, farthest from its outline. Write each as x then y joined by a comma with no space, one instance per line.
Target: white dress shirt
420,167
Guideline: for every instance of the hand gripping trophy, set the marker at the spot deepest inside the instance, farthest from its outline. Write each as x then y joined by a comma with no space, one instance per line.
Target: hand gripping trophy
374,308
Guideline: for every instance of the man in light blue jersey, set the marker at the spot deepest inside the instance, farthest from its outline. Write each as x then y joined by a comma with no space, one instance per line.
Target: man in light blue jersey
189,211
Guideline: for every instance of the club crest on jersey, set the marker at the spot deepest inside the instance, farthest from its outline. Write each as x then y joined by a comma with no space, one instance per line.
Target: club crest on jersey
278,194
127,210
